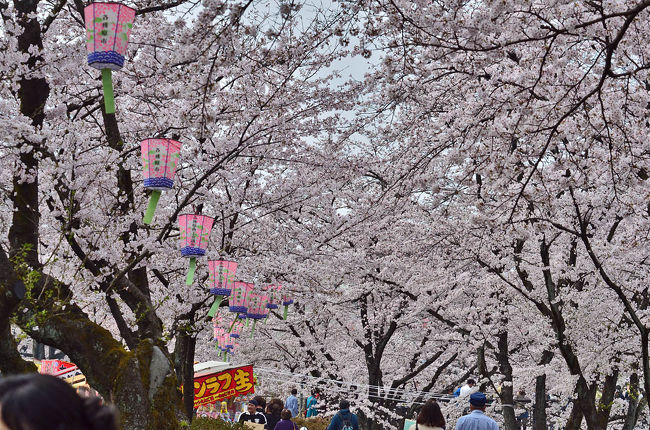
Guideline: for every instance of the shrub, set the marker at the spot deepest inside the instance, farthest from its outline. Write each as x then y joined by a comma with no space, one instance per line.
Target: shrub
315,423
212,424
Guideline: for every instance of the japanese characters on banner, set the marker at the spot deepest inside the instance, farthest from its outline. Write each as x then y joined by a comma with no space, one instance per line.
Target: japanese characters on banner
228,383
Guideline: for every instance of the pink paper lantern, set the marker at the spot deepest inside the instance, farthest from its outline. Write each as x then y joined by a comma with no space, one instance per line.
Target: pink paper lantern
237,328
222,276
273,293
108,26
286,299
159,161
239,297
257,306
195,231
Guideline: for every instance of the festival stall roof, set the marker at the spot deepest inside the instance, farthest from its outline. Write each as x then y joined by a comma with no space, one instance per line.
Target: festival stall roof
209,367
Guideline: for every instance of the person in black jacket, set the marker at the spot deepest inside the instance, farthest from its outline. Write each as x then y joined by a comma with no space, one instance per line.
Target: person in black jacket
253,415
344,419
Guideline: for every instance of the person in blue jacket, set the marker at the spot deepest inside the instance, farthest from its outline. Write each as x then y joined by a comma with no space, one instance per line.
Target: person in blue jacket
344,419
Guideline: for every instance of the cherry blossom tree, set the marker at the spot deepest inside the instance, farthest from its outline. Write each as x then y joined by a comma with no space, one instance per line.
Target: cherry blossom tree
241,84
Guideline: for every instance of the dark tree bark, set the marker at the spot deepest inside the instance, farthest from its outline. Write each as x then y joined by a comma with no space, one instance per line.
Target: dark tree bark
506,395
539,409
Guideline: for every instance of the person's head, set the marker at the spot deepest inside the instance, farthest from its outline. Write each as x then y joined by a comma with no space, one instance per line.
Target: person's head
344,404
471,382
252,406
261,403
42,402
275,407
477,401
285,414
431,415
294,391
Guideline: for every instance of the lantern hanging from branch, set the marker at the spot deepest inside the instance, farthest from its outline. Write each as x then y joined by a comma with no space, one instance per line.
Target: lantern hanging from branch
273,294
195,231
257,309
108,26
236,328
239,297
286,301
220,280
159,161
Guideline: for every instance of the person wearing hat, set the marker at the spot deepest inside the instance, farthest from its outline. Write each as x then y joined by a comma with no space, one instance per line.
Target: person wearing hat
253,415
344,419
476,419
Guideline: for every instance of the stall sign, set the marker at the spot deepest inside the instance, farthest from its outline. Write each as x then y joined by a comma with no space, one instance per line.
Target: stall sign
223,385
57,367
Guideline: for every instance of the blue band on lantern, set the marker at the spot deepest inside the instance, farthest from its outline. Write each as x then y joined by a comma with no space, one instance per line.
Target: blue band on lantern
271,306
239,309
106,59
288,302
158,183
191,251
255,316
230,346
220,291
234,335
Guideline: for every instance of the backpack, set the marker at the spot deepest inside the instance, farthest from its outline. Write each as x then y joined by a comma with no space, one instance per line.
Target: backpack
347,425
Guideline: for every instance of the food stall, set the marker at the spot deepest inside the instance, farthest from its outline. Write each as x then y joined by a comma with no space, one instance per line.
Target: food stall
219,382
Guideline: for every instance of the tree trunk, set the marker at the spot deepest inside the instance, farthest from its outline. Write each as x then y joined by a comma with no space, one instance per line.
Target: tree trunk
575,419
539,409
506,395
632,402
184,364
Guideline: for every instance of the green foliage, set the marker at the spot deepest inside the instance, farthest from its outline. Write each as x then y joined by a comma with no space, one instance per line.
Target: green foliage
315,423
212,424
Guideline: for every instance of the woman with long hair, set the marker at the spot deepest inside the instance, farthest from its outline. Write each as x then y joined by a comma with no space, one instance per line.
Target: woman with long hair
430,417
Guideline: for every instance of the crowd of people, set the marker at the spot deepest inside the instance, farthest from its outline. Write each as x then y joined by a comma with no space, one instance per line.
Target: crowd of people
61,407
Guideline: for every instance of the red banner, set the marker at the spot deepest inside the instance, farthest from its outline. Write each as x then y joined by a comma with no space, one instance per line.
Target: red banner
222,385
58,368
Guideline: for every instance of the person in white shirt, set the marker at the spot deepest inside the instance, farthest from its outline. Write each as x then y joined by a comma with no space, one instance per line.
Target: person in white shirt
468,388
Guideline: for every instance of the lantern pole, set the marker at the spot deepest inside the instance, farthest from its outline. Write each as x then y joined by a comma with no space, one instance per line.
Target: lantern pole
190,272
215,306
233,323
253,331
151,209
109,98
286,312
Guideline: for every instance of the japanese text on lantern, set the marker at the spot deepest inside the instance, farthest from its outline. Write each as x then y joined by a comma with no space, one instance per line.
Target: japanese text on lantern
218,386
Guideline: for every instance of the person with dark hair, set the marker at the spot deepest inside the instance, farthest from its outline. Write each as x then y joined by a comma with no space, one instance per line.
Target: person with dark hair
254,415
292,403
344,419
430,417
43,402
310,407
273,412
476,419
285,423
468,388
